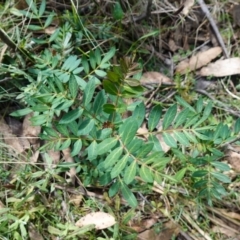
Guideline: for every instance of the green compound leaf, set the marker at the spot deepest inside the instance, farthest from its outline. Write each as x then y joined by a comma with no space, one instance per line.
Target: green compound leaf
169,116
128,130
88,92
128,195
76,147
154,117
130,173
106,145
71,116
118,168
113,157
146,174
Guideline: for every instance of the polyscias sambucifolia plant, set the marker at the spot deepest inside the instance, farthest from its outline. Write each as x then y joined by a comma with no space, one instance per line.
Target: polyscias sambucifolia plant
79,99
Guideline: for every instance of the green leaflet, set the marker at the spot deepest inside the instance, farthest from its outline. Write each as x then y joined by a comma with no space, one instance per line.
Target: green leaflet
114,189
62,128
220,165
128,130
21,112
169,116
73,86
108,56
98,103
237,126
128,195
180,174
199,105
65,144
71,116
85,127
134,145
76,147
154,117
113,157
221,177
146,174
169,140
181,138
88,92
92,150
51,132
117,169
145,150
139,113
106,145
181,117
182,102
130,173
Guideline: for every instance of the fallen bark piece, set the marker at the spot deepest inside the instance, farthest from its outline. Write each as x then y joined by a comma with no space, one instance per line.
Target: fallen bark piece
199,60
222,68
101,220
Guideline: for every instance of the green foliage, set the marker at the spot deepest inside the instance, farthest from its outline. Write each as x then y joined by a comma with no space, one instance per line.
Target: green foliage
79,99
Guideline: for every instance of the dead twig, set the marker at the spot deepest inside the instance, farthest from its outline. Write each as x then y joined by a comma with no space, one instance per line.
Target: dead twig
214,26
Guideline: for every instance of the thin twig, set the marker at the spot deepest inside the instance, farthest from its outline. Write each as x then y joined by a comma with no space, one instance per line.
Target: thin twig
214,26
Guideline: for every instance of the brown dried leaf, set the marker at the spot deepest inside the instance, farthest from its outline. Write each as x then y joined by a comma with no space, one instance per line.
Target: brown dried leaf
50,30
170,229
155,78
29,131
198,60
76,199
101,220
68,158
187,6
222,68
33,233
225,231
172,45
234,160
18,145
